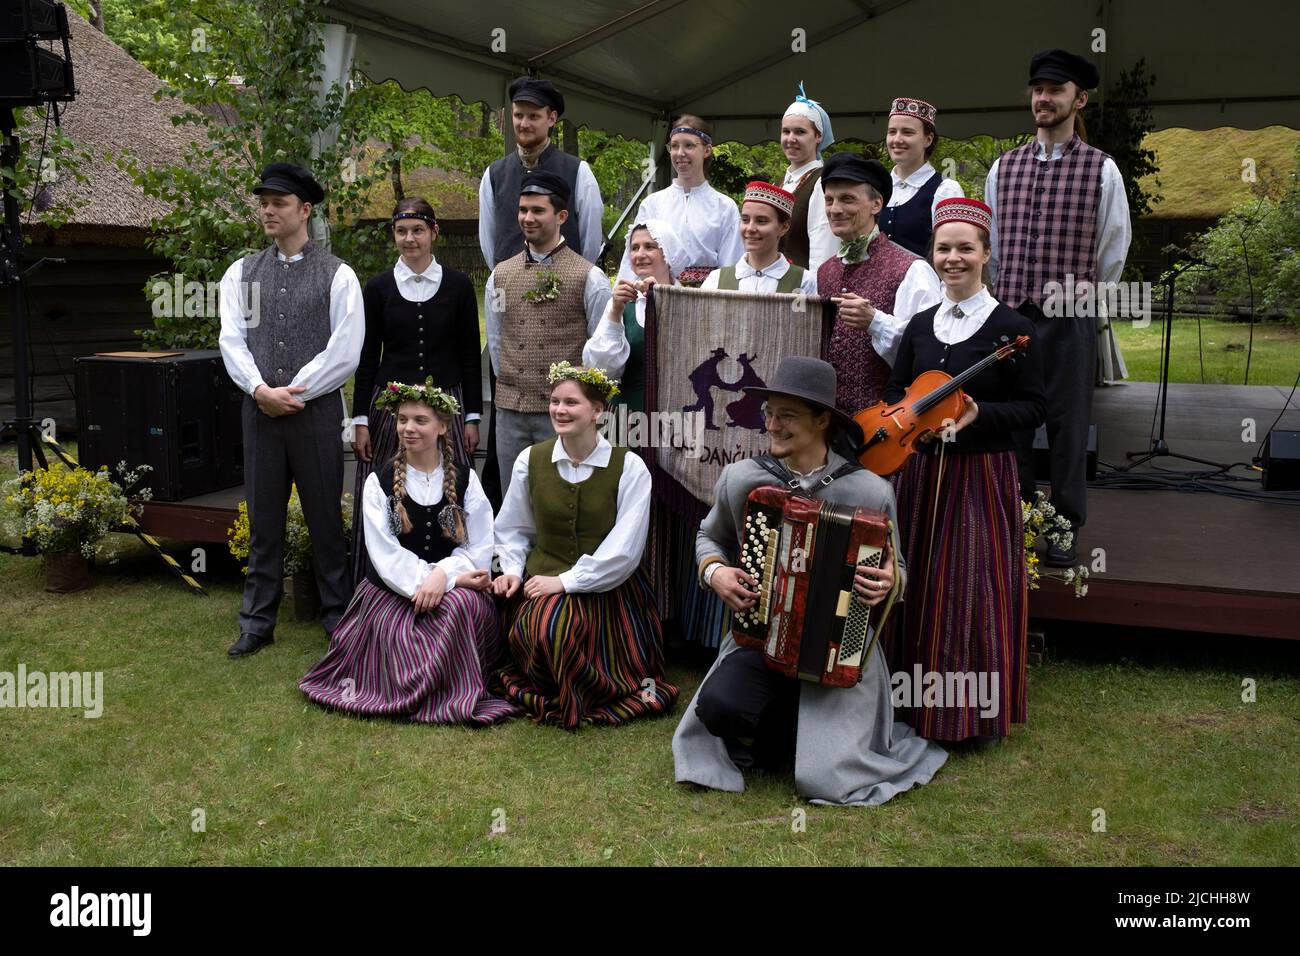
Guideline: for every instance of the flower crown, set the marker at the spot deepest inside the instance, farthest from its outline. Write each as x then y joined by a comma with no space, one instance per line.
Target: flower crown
595,377
429,394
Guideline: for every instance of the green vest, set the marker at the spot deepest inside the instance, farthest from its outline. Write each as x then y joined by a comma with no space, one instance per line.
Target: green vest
571,520
631,387
787,283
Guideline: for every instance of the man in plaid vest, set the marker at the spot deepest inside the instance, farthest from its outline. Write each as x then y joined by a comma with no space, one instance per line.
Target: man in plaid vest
1060,231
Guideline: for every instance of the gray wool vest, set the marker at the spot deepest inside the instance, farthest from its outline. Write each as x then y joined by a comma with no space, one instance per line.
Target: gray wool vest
293,324
506,176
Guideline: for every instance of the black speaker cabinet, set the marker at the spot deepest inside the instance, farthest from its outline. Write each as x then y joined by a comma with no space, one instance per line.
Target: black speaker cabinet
180,415
1282,461
1042,460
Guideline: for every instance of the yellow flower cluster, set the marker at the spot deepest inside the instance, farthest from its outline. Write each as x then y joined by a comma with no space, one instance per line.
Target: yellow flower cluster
65,509
297,539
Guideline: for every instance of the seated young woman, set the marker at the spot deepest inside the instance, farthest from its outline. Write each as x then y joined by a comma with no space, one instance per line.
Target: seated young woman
421,633
585,641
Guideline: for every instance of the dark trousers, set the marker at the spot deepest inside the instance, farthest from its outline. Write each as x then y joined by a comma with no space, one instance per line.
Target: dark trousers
1067,347
746,700
303,449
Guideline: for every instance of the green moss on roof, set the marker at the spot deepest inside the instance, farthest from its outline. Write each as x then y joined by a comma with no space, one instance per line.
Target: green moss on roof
1200,171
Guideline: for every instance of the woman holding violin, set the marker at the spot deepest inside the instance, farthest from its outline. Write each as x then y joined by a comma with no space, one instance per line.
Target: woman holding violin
966,606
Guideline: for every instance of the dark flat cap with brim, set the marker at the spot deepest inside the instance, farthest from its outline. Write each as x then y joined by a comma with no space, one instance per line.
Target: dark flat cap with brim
545,182
529,89
293,180
813,381
1062,65
855,169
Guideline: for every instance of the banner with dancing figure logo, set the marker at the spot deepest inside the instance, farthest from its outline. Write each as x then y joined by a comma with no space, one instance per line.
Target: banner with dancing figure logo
703,348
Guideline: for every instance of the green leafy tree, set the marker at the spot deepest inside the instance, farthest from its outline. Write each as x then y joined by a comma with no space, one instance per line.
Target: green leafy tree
1252,254
247,80
1118,127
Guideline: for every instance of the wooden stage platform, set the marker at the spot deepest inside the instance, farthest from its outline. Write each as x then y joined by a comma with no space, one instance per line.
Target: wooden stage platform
1174,560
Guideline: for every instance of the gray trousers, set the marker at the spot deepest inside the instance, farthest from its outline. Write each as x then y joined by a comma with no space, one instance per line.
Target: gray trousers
303,449
1067,346
515,432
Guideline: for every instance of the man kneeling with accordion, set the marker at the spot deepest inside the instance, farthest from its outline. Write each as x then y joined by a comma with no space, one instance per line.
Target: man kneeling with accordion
800,544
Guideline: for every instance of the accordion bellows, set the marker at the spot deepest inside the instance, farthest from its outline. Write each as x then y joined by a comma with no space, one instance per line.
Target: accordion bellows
804,553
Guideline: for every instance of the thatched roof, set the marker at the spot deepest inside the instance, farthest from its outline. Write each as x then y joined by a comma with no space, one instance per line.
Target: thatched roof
114,110
1200,170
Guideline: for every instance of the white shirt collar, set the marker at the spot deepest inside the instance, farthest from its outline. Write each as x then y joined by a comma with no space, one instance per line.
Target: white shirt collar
293,258
599,457
403,273
972,306
774,271
702,189
1057,148
794,175
919,178
411,469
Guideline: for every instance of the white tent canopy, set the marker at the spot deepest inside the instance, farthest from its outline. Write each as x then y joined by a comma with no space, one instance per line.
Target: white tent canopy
627,66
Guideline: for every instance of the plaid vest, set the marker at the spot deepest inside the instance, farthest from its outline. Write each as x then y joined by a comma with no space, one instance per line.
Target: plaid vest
1046,220
535,334
860,373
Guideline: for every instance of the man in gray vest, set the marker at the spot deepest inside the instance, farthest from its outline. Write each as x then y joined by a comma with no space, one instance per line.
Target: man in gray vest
536,106
292,324
541,306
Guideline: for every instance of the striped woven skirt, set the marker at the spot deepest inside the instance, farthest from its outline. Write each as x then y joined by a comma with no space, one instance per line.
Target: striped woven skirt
383,446
967,610
433,668
593,658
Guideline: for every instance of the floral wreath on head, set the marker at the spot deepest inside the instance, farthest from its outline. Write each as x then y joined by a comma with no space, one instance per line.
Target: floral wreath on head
595,377
395,393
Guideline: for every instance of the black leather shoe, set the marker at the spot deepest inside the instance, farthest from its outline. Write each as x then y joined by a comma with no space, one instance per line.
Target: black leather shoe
249,644
1058,557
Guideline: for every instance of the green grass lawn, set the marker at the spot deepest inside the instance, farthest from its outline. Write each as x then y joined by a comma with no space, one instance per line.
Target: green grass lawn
1185,771
1275,359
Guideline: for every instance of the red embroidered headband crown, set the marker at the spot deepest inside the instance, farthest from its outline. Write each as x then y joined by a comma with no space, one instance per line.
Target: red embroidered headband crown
963,210
774,196
906,106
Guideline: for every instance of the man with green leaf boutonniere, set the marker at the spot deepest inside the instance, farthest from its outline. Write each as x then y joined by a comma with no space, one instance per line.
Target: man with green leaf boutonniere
421,632
541,306
585,641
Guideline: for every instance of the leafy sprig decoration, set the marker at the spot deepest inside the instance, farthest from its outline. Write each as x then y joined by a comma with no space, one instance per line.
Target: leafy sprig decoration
547,288
595,377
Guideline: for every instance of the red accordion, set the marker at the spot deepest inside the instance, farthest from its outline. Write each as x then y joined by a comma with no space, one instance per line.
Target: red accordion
804,554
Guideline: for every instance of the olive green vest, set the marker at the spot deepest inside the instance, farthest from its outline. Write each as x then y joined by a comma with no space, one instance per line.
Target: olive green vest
571,520
787,283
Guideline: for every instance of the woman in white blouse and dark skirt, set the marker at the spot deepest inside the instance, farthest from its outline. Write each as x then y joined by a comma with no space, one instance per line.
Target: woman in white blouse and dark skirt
966,606
911,139
421,633
421,321
585,641
707,221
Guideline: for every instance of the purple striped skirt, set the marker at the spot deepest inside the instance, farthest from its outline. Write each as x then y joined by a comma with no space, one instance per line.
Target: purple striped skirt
383,446
384,659
967,608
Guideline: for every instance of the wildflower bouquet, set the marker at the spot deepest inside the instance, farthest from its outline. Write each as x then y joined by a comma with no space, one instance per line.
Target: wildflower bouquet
1040,518
297,539
69,510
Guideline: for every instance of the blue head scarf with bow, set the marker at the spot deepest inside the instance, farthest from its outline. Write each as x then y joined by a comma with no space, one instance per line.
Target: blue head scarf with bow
813,112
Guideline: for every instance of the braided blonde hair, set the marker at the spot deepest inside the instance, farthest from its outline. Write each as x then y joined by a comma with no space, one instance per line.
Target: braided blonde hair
449,474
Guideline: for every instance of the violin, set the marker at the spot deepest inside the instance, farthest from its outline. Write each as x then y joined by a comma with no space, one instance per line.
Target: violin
930,402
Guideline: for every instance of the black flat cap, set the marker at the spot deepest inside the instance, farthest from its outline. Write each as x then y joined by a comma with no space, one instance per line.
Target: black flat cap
855,169
529,89
546,182
1061,65
288,178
